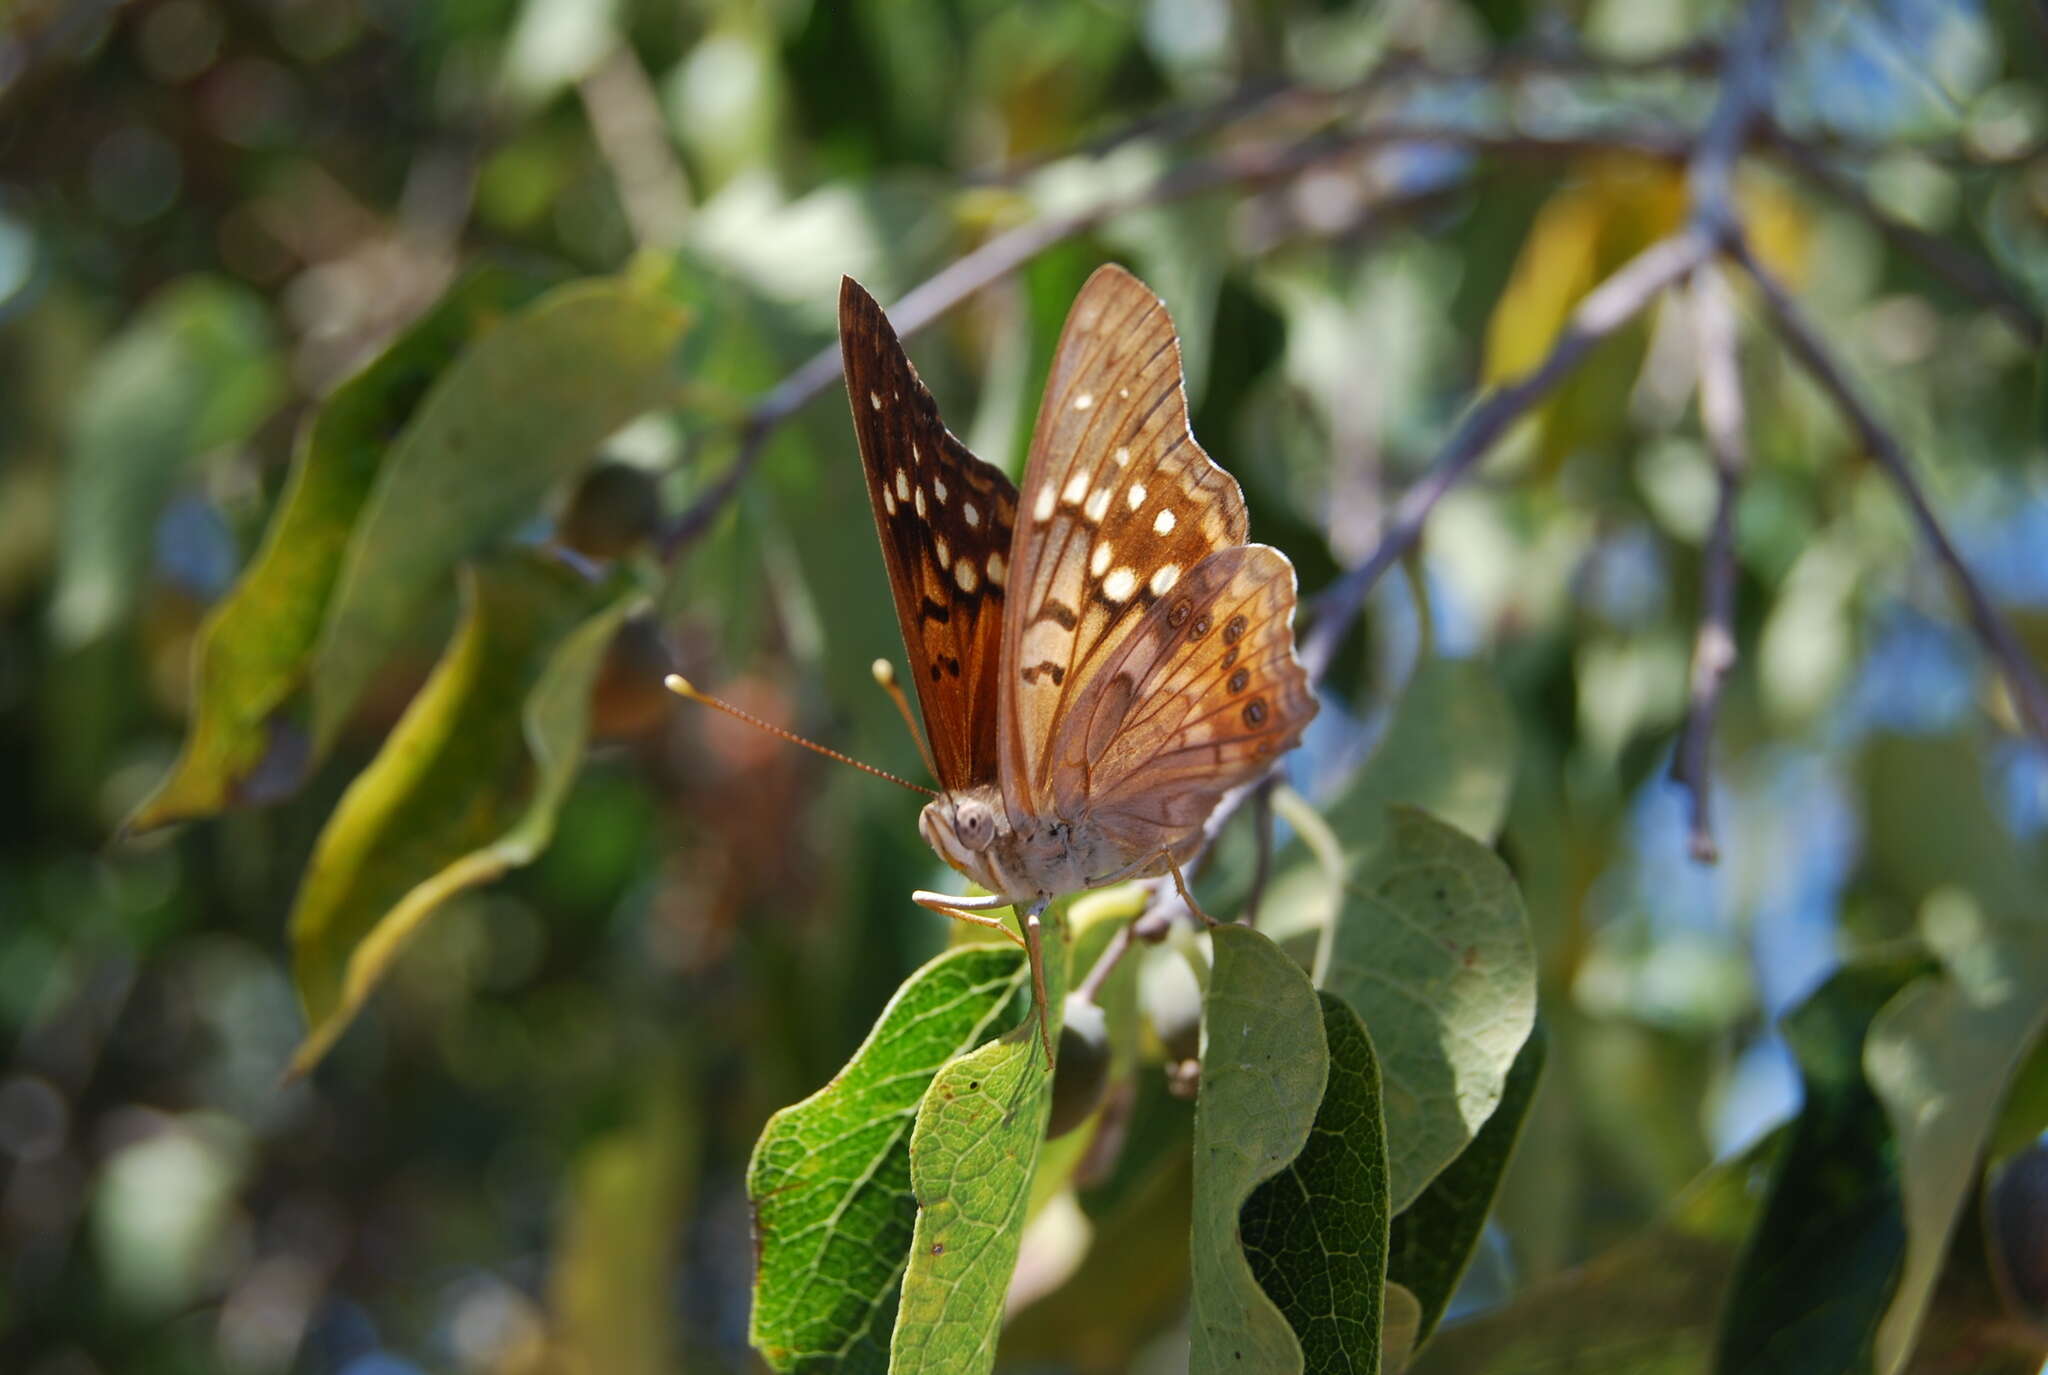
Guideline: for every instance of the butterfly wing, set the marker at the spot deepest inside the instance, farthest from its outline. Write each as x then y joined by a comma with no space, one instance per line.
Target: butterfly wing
1118,503
945,520
1202,695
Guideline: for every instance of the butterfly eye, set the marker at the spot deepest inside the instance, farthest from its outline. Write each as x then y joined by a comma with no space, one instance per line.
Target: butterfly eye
974,824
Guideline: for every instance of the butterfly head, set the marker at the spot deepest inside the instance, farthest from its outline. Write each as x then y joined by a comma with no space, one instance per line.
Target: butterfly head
964,828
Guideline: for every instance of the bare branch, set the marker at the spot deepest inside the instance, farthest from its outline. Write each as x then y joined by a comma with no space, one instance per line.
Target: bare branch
626,121
1606,309
1950,261
1722,417
2030,695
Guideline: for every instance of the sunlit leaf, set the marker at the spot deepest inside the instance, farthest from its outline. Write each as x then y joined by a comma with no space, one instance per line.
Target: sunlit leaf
1823,1260
1265,1062
972,1154
524,406
1940,1057
1432,949
1316,1233
466,787
1431,1242
252,653
830,1179
194,370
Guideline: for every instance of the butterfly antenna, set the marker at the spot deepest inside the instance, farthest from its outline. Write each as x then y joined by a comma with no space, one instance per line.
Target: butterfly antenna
885,676
683,687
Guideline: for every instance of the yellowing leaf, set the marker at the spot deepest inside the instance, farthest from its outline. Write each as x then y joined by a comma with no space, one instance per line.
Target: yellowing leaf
466,787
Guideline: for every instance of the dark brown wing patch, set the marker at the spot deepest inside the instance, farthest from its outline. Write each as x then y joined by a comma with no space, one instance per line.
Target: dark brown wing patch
944,518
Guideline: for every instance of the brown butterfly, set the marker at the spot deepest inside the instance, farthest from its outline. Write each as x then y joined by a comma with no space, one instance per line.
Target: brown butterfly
1100,657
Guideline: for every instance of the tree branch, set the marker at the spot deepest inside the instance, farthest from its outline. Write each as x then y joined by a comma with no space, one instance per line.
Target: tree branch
1952,263
1605,309
2030,695
1722,417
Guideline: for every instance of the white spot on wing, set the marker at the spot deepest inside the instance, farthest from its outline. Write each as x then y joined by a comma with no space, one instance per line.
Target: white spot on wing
1119,585
972,514
902,485
945,551
1162,524
1099,560
1098,504
888,500
1076,488
918,495
997,569
1084,400
1041,510
875,401
964,574
1122,455
1167,575
939,490
1136,496
914,454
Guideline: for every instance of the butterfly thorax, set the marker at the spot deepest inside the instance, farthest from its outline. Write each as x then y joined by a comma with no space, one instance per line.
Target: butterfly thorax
973,832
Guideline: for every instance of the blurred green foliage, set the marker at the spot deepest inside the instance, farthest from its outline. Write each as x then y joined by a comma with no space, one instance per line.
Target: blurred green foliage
353,303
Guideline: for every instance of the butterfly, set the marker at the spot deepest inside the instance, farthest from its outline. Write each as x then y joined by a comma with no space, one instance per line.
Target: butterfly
1099,656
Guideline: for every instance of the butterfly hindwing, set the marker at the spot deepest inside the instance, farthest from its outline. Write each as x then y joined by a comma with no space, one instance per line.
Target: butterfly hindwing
945,519
1202,695
1118,504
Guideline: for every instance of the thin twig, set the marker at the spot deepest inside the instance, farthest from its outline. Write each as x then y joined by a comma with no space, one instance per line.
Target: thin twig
2029,693
1946,259
1722,418
1149,927
627,124
1262,856
1606,309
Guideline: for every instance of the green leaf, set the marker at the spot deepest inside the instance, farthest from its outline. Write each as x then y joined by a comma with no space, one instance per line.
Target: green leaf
195,370
1645,1307
1940,1057
1316,1233
1824,1258
972,1156
251,654
830,1179
608,1289
1449,748
1265,1062
1431,948
524,406
466,787
1431,1243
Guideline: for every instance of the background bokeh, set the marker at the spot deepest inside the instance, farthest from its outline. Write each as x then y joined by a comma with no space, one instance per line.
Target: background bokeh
529,1153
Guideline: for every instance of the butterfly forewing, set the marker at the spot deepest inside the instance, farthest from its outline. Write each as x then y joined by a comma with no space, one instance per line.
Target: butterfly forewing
1119,504
945,520
1202,695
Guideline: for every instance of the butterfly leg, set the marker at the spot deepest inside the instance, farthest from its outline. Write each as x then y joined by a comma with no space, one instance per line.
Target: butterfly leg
1180,883
1036,952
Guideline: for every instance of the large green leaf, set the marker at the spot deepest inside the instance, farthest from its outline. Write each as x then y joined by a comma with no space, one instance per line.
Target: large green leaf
1431,1243
1449,748
1940,1057
522,407
972,1157
1316,1233
1265,1062
194,370
1431,948
252,652
466,787
1822,1262
830,1179
1645,1307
